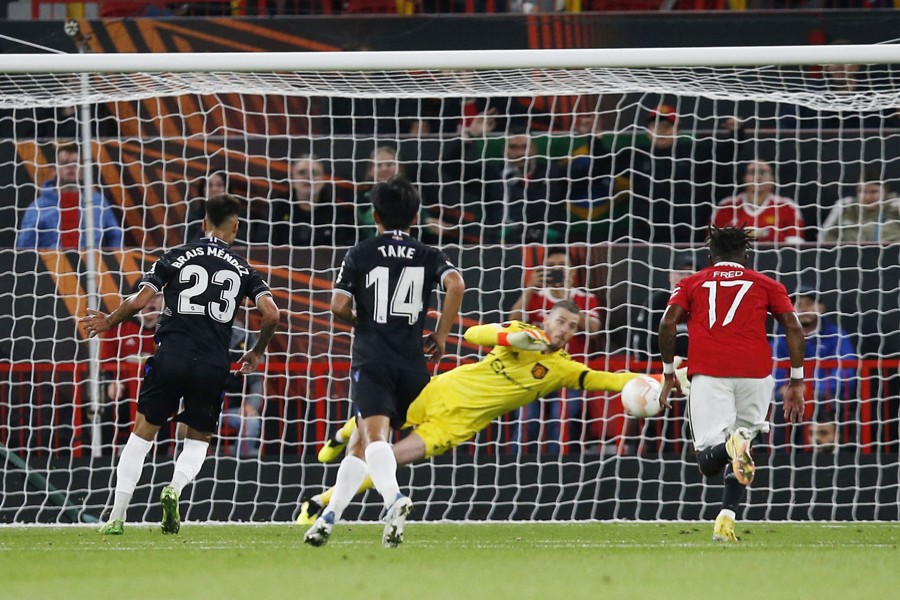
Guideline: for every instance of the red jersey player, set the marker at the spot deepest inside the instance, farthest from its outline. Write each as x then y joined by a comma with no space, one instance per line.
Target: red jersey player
730,362
773,218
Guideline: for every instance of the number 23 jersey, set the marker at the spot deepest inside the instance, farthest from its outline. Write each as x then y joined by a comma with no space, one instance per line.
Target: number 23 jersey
391,278
726,307
203,283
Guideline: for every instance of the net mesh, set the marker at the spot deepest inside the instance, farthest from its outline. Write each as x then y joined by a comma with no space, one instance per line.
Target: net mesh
622,168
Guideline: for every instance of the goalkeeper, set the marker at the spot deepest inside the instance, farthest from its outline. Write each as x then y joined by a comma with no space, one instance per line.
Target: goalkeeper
525,364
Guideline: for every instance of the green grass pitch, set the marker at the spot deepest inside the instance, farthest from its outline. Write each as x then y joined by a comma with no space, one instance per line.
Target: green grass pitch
616,561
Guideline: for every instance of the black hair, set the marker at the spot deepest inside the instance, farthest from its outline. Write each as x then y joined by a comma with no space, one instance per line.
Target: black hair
70,147
396,203
729,242
203,184
556,250
870,175
567,305
220,208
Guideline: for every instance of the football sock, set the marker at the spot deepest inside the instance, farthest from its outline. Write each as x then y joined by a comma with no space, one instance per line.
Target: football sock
383,471
728,513
128,472
733,493
325,497
351,472
193,453
712,460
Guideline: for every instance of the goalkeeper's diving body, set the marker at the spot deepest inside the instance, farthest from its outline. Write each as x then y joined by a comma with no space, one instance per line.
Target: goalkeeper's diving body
525,364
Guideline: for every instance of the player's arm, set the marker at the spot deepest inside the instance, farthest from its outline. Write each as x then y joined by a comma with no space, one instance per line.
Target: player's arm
514,334
342,307
455,287
793,393
96,322
667,330
270,319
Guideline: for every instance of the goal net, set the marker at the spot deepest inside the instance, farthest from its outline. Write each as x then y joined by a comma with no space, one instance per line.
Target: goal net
620,159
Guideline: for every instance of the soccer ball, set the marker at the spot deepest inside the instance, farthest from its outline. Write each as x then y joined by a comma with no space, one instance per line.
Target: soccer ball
640,397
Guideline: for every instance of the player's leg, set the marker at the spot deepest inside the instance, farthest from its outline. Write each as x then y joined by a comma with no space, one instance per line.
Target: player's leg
128,472
408,450
202,409
752,399
158,399
712,414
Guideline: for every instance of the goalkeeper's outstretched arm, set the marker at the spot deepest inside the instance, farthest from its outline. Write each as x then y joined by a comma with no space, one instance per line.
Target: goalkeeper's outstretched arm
515,334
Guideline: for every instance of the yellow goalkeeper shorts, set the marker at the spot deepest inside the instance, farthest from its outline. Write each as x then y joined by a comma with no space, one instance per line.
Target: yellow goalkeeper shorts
440,425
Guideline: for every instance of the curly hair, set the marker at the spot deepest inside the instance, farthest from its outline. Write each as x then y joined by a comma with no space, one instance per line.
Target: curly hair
729,242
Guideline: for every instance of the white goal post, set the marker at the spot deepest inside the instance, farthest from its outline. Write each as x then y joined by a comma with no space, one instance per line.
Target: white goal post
515,152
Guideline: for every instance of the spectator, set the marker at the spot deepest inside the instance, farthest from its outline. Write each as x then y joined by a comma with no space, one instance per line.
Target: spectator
824,436
597,204
123,352
774,218
530,210
470,183
56,220
312,216
673,181
214,184
381,166
545,287
645,337
825,341
242,414
870,216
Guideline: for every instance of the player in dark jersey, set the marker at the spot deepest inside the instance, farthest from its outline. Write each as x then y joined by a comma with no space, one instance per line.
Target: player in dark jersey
390,279
203,284
730,362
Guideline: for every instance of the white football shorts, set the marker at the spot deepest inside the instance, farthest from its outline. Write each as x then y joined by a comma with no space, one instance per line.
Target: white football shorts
719,405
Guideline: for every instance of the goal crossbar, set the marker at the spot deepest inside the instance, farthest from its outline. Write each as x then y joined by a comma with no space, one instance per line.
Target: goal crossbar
459,59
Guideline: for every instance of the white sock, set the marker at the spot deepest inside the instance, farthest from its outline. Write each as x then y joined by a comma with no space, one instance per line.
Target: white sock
728,513
128,472
383,471
193,453
350,476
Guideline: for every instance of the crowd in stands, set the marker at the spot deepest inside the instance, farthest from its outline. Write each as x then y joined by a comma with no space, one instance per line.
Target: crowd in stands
502,183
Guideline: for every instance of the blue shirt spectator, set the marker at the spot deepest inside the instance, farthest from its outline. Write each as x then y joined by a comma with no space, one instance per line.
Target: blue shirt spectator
56,218
825,341
41,224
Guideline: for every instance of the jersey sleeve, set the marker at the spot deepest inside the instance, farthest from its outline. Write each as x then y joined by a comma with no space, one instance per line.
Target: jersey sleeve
489,335
159,274
257,286
345,282
681,294
441,266
606,381
779,302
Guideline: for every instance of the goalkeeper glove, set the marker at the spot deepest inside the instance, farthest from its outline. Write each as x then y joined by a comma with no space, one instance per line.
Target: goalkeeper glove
531,340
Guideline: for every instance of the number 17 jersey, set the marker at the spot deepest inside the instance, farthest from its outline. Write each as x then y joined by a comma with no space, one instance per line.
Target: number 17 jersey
391,278
726,307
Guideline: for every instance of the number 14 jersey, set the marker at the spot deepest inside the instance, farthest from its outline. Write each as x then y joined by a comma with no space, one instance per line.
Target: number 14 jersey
726,307
203,283
391,278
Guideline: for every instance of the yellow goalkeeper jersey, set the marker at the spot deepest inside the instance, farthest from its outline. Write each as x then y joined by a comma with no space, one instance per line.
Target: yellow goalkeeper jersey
465,400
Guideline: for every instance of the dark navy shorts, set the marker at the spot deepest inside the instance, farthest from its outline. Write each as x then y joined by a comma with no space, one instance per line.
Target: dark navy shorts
169,377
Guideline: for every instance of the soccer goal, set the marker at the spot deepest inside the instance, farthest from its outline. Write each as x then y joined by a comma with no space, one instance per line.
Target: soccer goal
620,158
